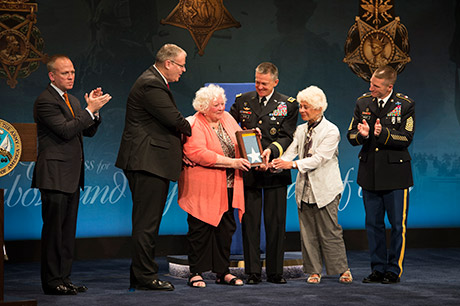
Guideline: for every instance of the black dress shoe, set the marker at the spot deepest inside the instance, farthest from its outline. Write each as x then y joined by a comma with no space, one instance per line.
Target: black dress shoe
374,277
390,278
59,290
80,289
276,279
156,284
253,279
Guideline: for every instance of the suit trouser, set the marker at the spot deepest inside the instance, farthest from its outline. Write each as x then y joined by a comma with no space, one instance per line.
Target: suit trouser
59,214
149,194
275,227
395,203
210,245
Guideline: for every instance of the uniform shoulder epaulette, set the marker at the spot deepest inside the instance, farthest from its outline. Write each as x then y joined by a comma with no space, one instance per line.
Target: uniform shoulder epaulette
404,97
291,99
366,95
238,95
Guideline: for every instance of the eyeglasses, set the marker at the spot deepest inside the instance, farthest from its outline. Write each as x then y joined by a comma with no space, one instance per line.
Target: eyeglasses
182,66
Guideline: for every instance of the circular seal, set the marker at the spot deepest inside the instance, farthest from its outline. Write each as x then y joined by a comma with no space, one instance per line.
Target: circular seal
273,131
10,148
377,48
14,47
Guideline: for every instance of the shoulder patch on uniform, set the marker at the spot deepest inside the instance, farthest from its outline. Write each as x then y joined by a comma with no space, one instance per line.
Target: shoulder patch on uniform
239,95
366,95
291,99
404,97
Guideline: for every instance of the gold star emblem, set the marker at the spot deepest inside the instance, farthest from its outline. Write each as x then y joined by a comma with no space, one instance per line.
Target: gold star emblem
21,44
383,42
201,18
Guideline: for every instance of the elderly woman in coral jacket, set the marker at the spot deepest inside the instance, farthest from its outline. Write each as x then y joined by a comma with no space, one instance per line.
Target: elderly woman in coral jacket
212,188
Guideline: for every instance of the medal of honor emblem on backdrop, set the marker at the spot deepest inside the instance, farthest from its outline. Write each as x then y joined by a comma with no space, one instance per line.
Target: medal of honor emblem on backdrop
201,18
376,39
21,44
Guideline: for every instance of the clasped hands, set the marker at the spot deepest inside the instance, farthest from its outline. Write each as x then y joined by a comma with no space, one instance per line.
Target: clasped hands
363,128
96,99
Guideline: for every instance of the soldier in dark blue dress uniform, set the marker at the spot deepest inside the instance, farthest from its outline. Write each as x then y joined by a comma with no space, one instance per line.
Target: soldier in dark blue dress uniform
383,124
275,115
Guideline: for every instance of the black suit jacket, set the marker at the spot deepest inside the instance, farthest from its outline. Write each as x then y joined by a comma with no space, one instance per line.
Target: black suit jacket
59,164
277,122
151,138
384,161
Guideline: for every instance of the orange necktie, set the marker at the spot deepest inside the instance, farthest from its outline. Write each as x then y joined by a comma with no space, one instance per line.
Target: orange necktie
66,97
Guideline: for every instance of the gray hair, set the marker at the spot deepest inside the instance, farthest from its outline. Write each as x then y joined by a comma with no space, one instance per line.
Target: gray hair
314,96
205,95
168,52
268,68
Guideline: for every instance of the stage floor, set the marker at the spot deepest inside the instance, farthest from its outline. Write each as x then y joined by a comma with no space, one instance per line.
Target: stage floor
431,277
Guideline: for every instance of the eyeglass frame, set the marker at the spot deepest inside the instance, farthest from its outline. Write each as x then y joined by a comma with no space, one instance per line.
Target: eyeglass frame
181,66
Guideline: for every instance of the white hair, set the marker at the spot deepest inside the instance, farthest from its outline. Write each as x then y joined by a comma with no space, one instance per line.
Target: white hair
205,95
314,96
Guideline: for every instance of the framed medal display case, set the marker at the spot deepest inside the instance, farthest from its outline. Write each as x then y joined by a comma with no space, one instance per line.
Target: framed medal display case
250,146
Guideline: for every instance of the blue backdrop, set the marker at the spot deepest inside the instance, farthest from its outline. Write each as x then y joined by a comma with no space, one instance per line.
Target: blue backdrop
112,42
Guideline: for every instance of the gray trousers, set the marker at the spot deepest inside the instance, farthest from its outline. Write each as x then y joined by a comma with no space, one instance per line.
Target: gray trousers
321,239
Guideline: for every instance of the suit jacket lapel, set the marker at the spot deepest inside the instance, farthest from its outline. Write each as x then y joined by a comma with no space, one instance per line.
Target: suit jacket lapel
271,105
62,104
388,106
255,105
162,83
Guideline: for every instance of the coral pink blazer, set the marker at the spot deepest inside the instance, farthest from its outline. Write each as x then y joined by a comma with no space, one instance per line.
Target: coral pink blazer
203,188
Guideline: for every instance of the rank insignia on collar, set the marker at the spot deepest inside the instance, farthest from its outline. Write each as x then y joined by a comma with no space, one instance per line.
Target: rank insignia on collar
290,99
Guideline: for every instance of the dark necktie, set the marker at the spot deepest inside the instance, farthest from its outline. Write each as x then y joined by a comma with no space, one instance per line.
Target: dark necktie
262,101
308,141
381,104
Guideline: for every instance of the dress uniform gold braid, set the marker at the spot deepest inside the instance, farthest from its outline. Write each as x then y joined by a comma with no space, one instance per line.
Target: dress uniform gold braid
351,123
280,148
388,137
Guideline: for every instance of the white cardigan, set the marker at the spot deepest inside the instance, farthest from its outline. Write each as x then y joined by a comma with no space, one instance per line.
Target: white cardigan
322,167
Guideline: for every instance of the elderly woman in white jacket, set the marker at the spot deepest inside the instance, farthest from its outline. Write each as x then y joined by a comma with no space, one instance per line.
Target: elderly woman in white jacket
318,188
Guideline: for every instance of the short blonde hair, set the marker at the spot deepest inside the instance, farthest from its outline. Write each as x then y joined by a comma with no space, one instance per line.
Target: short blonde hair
314,96
205,95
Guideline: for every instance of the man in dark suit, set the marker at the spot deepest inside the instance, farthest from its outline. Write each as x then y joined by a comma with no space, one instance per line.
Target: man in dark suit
383,123
151,156
59,170
275,115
